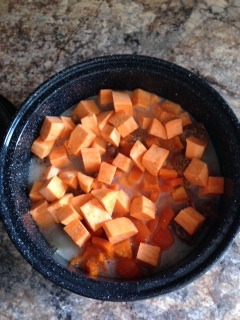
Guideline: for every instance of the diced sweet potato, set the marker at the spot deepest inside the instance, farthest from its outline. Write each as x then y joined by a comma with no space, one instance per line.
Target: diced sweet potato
91,159
85,182
150,140
69,125
81,137
41,148
84,108
103,117
51,128
195,147
103,244
134,176
148,254
122,101
58,157
119,229
111,135
79,201
156,128
106,172
165,217
180,194
162,115
140,98
176,182
162,238
34,193
66,214
171,107
49,172
105,97
149,182
123,249
186,120
100,144
128,268
107,198
77,232
123,162
197,173
214,186
90,122
136,154
124,123
94,214
55,205
42,218
154,158
38,206
123,201
143,121
166,173
53,189
173,128
142,208
189,219
69,177
143,232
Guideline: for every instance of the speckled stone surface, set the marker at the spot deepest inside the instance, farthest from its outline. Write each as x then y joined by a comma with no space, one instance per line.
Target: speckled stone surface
40,38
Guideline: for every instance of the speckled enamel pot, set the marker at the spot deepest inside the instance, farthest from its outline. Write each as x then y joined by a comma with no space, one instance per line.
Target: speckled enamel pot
79,82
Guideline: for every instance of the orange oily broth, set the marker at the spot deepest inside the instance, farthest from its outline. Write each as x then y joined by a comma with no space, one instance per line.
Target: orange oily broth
67,249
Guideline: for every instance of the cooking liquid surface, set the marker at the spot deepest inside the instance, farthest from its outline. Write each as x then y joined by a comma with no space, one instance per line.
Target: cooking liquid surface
67,249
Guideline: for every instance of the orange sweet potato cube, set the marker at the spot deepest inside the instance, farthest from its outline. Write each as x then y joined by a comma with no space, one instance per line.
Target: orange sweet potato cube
180,194
105,97
58,157
123,162
103,117
214,186
143,121
42,218
123,202
119,229
122,101
104,245
55,205
41,148
171,107
106,197
69,177
197,173
49,172
123,249
136,154
111,135
51,128
156,128
154,158
81,137
195,147
38,206
140,98
173,128
124,123
135,175
34,194
94,214
79,201
67,214
100,144
186,120
84,108
142,208
189,219
85,182
162,115
149,182
77,231
69,125
91,159
53,189
91,122
148,254
106,172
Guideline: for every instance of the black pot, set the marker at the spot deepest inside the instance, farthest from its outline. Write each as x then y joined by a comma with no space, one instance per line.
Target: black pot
122,72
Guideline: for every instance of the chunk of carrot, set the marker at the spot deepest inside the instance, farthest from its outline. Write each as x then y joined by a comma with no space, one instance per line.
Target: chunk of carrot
128,269
69,125
41,148
84,108
154,158
69,177
90,122
105,97
85,182
81,137
58,157
111,135
91,159
106,172
171,107
122,101
51,128
107,198
189,219
123,201
123,162
162,238
180,194
77,232
124,123
123,249
156,128
143,232
197,172
66,214
166,173
79,201
148,254
53,189
134,176
136,154
34,194
103,244
214,186
142,208
94,214
195,147
119,229
140,98
173,128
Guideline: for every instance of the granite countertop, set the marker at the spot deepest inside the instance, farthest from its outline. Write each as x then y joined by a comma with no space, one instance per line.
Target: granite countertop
40,38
